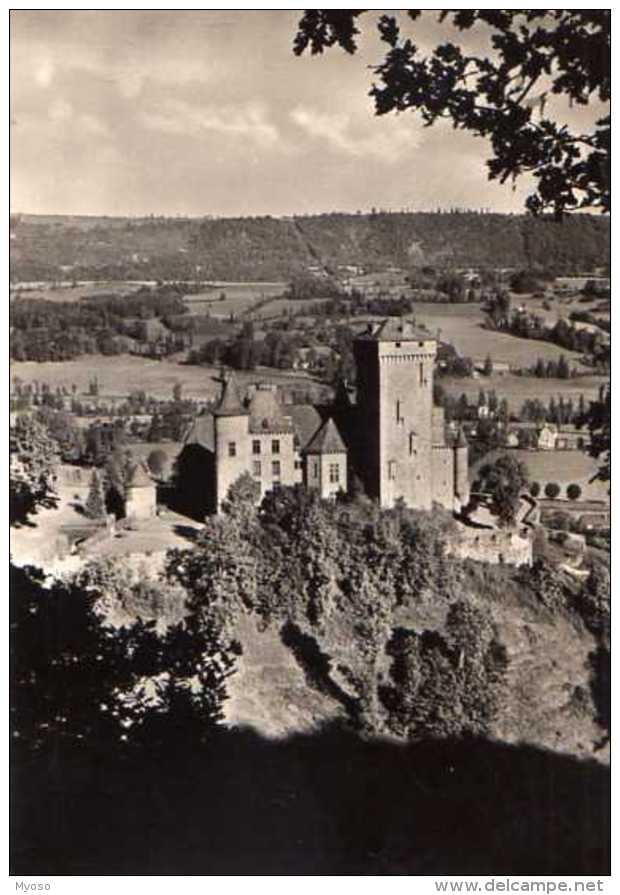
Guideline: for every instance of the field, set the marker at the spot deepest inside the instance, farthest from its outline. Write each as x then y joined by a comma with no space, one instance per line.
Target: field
517,389
563,467
462,325
239,297
125,373
77,293
278,306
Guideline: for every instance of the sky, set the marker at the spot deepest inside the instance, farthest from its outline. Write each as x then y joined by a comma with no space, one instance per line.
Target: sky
210,113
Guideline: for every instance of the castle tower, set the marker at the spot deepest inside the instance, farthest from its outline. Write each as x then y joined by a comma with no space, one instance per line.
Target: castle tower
394,413
231,439
461,470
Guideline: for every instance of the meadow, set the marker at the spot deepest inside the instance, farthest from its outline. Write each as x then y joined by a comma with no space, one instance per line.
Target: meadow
123,374
278,307
80,291
239,297
462,325
517,389
563,467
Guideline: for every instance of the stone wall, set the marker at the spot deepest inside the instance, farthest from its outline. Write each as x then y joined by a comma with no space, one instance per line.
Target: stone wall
491,545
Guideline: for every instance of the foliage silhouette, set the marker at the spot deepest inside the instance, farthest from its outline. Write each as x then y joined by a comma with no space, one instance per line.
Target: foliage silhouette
530,59
322,803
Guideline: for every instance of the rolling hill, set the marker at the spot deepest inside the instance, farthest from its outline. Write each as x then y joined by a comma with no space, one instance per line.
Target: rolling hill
266,248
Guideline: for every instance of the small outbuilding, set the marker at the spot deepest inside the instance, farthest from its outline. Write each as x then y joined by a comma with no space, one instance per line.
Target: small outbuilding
141,494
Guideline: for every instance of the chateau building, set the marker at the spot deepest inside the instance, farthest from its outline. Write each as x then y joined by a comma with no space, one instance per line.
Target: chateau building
390,437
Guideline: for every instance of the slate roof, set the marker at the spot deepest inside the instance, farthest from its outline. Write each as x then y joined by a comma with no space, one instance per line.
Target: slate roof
202,431
230,400
139,478
306,420
396,329
327,440
267,414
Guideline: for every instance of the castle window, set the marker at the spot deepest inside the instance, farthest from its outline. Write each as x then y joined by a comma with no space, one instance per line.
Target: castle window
275,469
299,464
256,469
399,418
334,473
256,446
398,344
232,448
275,446
392,470
412,450
421,374
315,470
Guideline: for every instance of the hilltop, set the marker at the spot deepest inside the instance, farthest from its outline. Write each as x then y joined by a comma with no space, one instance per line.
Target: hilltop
62,247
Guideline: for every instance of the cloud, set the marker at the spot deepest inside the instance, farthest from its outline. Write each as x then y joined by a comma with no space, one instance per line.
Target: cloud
43,72
385,139
60,110
93,125
182,118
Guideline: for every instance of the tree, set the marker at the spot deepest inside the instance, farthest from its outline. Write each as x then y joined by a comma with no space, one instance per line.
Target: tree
563,370
33,458
177,391
599,424
81,681
118,470
552,489
447,684
573,492
504,480
504,411
524,281
94,507
487,369
243,495
530,60
157,461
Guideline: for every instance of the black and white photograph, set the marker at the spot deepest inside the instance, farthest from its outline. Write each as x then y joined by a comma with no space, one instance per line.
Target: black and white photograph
310,446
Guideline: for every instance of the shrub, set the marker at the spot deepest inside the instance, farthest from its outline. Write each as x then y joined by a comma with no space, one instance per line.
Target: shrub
573,492
157,461
552,489
535,489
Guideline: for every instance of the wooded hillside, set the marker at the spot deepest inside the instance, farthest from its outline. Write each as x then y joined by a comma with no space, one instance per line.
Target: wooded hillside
267,248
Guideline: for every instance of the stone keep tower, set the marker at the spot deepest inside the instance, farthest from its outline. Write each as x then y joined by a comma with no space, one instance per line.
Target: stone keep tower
395,405
232,456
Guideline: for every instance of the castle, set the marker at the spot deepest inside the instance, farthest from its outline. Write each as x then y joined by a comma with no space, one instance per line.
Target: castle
390,437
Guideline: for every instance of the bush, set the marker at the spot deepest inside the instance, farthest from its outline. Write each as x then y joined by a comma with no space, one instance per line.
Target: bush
535,489
573,492
552,489
559,522
157,461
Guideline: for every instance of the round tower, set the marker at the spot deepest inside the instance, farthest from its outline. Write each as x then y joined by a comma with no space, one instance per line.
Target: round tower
231,438
461,470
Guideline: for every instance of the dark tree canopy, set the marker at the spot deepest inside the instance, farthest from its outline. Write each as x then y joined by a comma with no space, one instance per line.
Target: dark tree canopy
32,469
502,92
505,479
